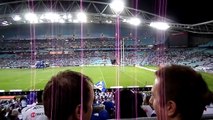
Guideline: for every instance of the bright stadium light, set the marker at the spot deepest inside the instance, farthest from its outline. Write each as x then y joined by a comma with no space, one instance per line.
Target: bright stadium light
41,21
31,17
135,21
117,6
52,17
81,17
160,25
75,21
65,17
5,23
124,20
108,21
17,18
69,16
70,20
61,21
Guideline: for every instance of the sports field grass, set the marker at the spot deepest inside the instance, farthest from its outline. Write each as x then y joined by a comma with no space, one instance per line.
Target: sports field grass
27,79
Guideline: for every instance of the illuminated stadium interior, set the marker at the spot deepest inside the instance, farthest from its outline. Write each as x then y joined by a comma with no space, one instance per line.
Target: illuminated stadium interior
119,45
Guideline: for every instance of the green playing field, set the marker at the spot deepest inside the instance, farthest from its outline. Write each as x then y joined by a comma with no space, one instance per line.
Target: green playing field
27,79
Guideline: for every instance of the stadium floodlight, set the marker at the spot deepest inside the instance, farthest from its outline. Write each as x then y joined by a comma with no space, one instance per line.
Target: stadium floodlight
124,20
31,17
69,16
61,21
65,16
117,6
108,21
160,25
135,21
52,17
70,20
16,18
81,17
5,23
41,21
75,21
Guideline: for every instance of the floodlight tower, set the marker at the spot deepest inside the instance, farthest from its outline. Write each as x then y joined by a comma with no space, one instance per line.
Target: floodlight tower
117,7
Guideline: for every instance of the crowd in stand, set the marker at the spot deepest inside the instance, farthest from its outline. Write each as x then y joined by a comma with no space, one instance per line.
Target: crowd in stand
68,52
103,106
184,56
193,57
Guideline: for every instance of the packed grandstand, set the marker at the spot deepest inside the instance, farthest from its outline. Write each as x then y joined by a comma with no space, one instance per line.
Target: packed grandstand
101,51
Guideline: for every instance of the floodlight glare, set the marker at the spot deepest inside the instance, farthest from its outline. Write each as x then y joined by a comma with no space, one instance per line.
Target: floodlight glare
160,25
117,6
135,21
52,17
16,18
65,16
69,16
70,20
124,20
31,17
61,21
75,21
5,23
81,17
41,21
108,21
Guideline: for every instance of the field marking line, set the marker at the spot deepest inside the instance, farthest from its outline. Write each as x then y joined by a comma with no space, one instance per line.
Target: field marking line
40,80
152,70
133,78
102,76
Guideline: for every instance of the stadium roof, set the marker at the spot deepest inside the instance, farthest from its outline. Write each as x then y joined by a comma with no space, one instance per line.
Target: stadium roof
183,15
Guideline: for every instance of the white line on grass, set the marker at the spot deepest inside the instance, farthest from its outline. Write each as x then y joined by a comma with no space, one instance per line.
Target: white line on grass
152,70
41,80
133,78
102,76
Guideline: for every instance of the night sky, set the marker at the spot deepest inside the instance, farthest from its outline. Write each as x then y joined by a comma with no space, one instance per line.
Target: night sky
181,11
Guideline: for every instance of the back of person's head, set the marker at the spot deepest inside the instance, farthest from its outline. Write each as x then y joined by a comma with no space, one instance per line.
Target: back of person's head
14,114
110,107
127,104
23,101
186,88
67,94
39,96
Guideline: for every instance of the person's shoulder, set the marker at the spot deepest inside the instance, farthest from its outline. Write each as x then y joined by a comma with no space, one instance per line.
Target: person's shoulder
27,108
36,112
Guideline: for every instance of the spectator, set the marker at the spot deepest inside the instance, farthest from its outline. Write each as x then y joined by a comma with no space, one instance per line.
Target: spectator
36,111
68,96
147,108
179,93
23,101
14,114
130,104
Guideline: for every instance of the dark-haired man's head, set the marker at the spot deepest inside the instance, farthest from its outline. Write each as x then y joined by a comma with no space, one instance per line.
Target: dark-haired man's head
179,93
128,103
68,96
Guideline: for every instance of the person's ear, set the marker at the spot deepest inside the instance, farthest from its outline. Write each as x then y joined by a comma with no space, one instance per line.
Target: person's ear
77,114
171,108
